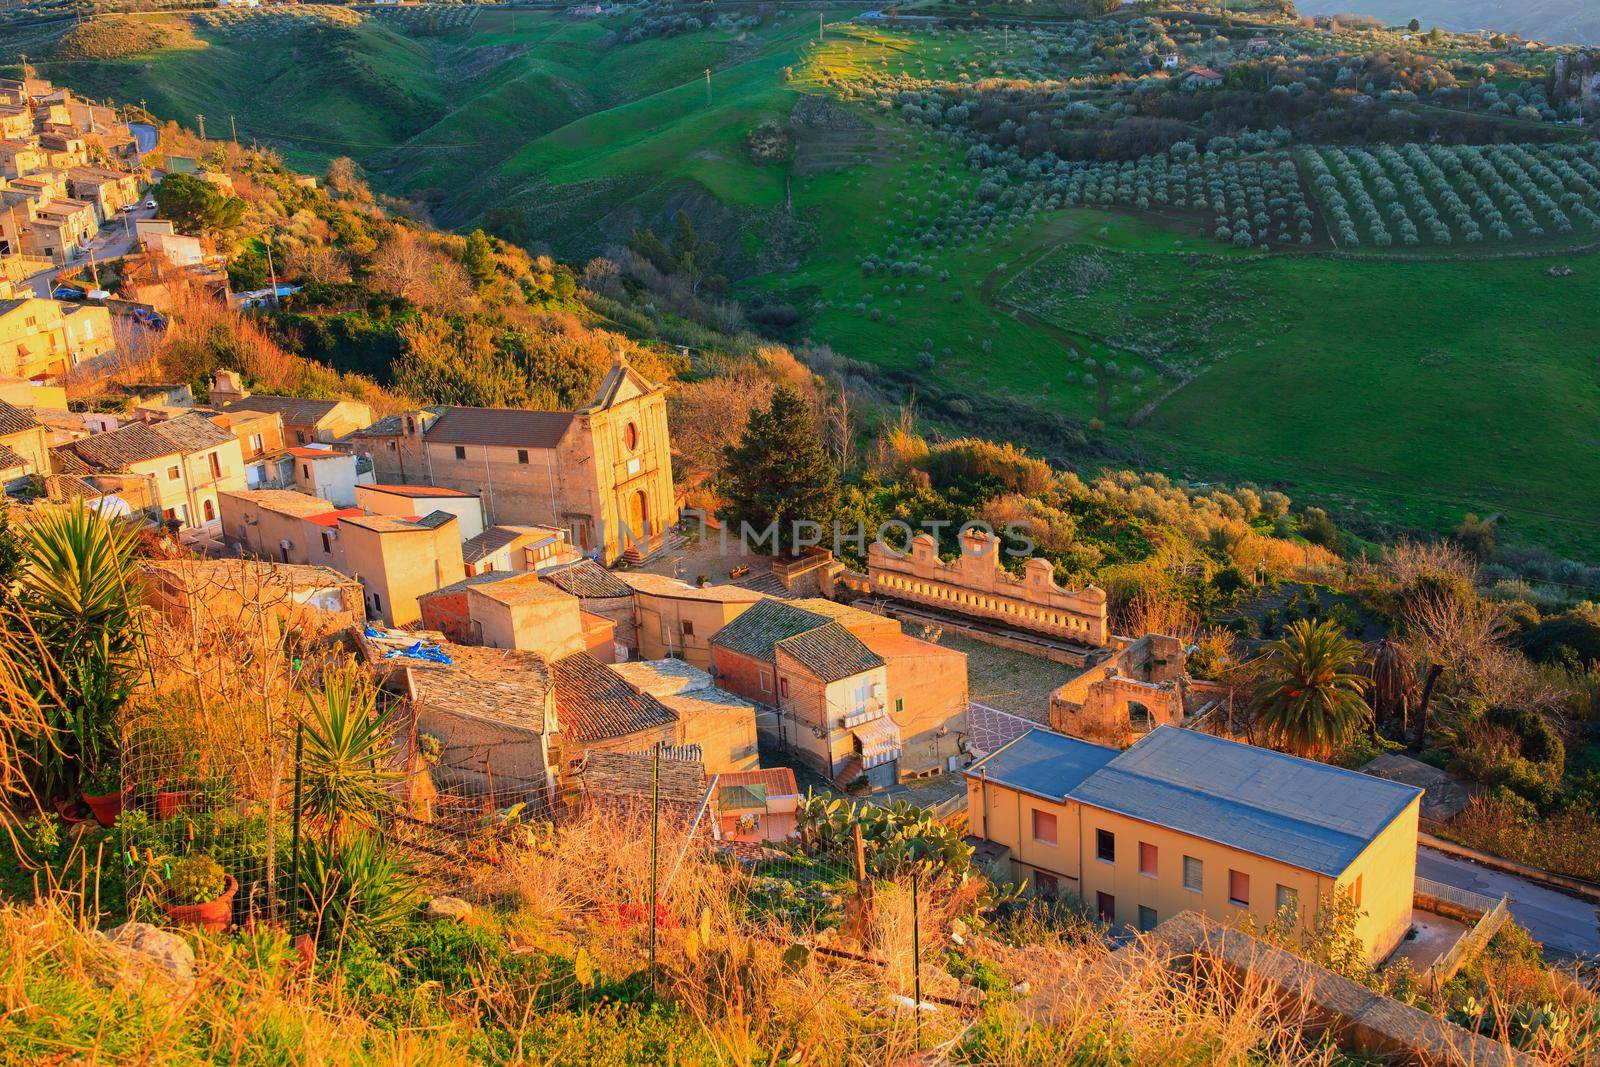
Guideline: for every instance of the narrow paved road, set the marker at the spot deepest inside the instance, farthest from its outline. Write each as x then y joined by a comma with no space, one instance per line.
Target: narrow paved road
114,241
1565,925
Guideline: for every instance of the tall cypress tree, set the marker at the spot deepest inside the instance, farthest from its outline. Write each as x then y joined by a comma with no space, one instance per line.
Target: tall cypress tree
778,473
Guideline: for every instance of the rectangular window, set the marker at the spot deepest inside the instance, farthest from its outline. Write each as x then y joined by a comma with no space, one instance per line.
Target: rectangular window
461,452
327,545
1239,888
305,471
764,680
522,455
1355,891
1288,901
1147,859
1147,919
377,604
1044,827
1045,885
255,444
899,705
783,686
688,628
1105,846
216,465
299,437
1105,905
172,474
1194,874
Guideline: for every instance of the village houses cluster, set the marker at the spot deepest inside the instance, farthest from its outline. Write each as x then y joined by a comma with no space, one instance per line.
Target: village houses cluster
488,566
491,568
484,565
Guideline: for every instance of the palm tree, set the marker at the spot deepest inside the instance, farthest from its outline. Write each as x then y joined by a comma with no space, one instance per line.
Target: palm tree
76,603
1311,700
1394,680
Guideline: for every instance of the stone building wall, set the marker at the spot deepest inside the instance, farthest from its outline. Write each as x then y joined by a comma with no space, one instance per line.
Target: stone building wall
608,480
1140,688
977,585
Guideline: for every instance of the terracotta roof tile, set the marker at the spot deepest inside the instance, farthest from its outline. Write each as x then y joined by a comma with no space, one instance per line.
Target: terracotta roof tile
594,704
831,652
587,579
15,420
767,622
505,427
630,776
192,432
296,411
119,449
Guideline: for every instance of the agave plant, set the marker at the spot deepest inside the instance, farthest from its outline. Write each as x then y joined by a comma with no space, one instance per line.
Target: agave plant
77,608
1311,701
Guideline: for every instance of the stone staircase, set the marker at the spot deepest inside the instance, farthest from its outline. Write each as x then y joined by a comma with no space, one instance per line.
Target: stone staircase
852,769
636,554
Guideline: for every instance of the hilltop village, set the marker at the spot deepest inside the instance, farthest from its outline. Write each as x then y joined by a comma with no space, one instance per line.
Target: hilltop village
522,700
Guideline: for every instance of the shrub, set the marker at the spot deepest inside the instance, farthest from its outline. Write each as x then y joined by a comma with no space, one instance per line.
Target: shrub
195,879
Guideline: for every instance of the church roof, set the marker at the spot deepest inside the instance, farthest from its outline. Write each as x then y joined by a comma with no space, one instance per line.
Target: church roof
505,427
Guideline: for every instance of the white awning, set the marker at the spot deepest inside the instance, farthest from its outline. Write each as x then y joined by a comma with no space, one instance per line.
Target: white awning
877,737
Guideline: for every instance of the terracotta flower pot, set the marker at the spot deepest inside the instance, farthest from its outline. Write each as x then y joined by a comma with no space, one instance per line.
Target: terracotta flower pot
73,811
106,806
212,915
170,802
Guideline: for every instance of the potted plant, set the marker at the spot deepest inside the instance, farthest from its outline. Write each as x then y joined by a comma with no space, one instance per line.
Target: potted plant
178,795
102,791
199,893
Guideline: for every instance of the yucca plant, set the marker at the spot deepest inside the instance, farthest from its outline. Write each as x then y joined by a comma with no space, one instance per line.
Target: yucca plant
347,752
76,606
1311,700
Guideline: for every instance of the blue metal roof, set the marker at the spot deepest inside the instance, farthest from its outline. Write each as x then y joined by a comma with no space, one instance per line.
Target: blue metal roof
1307,814
1043,763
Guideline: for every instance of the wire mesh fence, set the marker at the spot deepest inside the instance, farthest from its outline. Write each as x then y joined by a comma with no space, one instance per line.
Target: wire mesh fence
249,750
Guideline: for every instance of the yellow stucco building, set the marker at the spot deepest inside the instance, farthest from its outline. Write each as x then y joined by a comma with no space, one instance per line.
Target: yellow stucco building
1185,821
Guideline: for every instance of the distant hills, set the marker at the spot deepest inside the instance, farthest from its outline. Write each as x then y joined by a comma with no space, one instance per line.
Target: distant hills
1551,21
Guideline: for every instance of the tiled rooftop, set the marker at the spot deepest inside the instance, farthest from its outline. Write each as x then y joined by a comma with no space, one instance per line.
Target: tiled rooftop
595,704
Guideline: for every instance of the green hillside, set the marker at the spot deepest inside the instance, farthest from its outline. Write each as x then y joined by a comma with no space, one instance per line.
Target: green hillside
315,88
1387,303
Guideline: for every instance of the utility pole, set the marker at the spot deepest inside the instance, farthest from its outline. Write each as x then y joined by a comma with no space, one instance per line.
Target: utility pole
708,87
234,128
202,119
272,277
820,31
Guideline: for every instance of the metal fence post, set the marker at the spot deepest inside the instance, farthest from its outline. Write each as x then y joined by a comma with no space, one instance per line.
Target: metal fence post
916,960
655,833
294,863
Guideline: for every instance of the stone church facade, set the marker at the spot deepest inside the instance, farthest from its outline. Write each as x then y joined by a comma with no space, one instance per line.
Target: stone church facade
602,473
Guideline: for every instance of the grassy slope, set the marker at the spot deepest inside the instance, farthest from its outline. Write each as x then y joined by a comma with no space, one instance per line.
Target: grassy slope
1424,389
282,89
